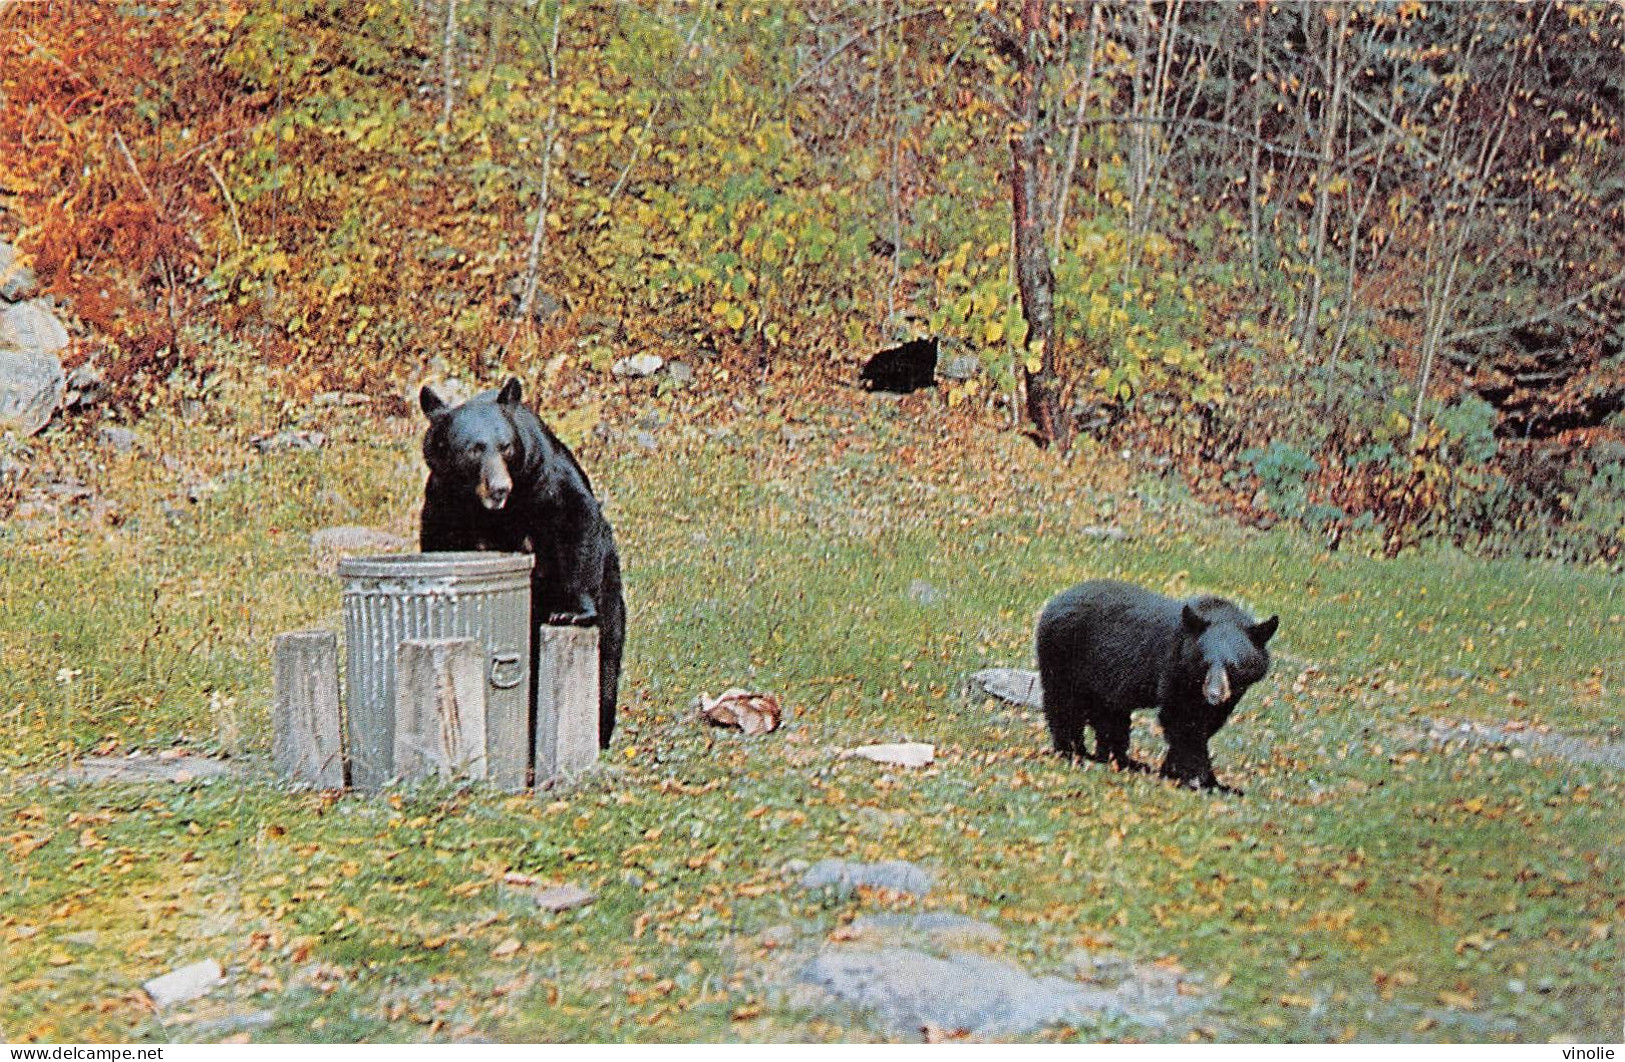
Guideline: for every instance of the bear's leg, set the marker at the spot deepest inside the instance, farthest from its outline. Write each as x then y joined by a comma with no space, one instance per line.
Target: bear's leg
579,559
1063,705
1066,724
1112,731
611,644
1188,761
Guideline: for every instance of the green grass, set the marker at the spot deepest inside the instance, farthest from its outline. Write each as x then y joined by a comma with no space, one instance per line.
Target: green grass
1364,873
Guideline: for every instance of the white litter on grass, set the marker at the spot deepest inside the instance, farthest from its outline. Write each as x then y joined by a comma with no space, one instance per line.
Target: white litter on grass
898,754
184,984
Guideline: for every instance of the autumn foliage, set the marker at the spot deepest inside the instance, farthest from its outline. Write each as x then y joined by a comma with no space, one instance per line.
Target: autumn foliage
1356,266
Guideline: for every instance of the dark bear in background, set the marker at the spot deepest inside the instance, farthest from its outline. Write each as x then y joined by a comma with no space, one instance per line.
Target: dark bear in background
500,480
1106,648
899,370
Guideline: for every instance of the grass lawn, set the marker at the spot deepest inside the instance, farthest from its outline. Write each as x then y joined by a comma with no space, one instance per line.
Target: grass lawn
1370,885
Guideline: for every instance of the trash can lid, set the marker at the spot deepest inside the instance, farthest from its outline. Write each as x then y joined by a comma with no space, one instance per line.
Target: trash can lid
434,565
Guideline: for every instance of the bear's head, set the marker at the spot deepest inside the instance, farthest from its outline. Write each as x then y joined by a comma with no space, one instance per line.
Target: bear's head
1223,649
475,446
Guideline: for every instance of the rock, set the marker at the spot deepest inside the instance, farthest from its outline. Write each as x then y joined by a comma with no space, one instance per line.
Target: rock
902,754
909,992
231,1024
16,280
1010,684
962,367
936,924
179,768
297,439
897,875
185,984
923,593
1518,736
32,325
563,898
31,389
85,387
645,440
679,373
331,543
1113,534
638,365
119,440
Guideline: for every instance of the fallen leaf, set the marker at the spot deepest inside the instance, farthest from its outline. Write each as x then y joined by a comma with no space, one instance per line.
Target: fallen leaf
1459,1000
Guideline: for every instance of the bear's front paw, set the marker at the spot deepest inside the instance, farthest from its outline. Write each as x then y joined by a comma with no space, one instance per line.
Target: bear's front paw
572,619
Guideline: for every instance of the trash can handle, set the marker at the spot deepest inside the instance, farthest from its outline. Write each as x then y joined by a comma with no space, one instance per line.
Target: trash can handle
506,670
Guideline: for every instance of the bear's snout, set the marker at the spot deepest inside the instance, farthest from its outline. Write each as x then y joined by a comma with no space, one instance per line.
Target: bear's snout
1216,690
495,484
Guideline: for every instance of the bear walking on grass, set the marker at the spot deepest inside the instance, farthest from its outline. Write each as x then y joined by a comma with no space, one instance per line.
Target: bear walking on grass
1106,648
500,480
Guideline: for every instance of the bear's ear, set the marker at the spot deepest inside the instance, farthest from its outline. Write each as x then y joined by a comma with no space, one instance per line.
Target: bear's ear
510,393
1193,623
1261,633
431,402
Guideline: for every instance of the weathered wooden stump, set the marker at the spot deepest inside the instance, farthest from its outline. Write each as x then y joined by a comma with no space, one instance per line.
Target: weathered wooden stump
440,709
566,701
306,745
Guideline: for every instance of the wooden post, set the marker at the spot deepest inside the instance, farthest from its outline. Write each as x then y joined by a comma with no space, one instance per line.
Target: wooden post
566,701
440,709
305,742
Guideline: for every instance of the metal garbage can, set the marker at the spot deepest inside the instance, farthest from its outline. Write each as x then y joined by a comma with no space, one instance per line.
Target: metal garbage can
391,598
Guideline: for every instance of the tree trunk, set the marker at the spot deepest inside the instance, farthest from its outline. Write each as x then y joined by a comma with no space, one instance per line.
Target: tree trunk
1034,278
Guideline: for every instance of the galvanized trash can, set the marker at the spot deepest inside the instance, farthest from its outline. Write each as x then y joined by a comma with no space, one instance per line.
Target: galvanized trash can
394,597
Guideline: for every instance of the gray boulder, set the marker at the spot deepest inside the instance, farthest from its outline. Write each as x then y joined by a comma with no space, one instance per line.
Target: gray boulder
16,280
898,875
910,993
31,388
31,379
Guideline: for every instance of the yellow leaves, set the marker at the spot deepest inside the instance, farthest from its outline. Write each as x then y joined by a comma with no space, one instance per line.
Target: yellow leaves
1460,1000
1289,1000
22,844
961,391
728,313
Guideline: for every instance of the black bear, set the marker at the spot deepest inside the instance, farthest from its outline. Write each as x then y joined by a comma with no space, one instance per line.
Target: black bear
500,480
1106,648
899,370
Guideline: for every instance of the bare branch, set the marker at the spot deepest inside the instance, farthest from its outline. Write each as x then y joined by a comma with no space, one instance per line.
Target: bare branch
1540,315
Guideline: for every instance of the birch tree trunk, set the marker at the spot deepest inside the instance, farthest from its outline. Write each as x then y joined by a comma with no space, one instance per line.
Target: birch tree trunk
1034,278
